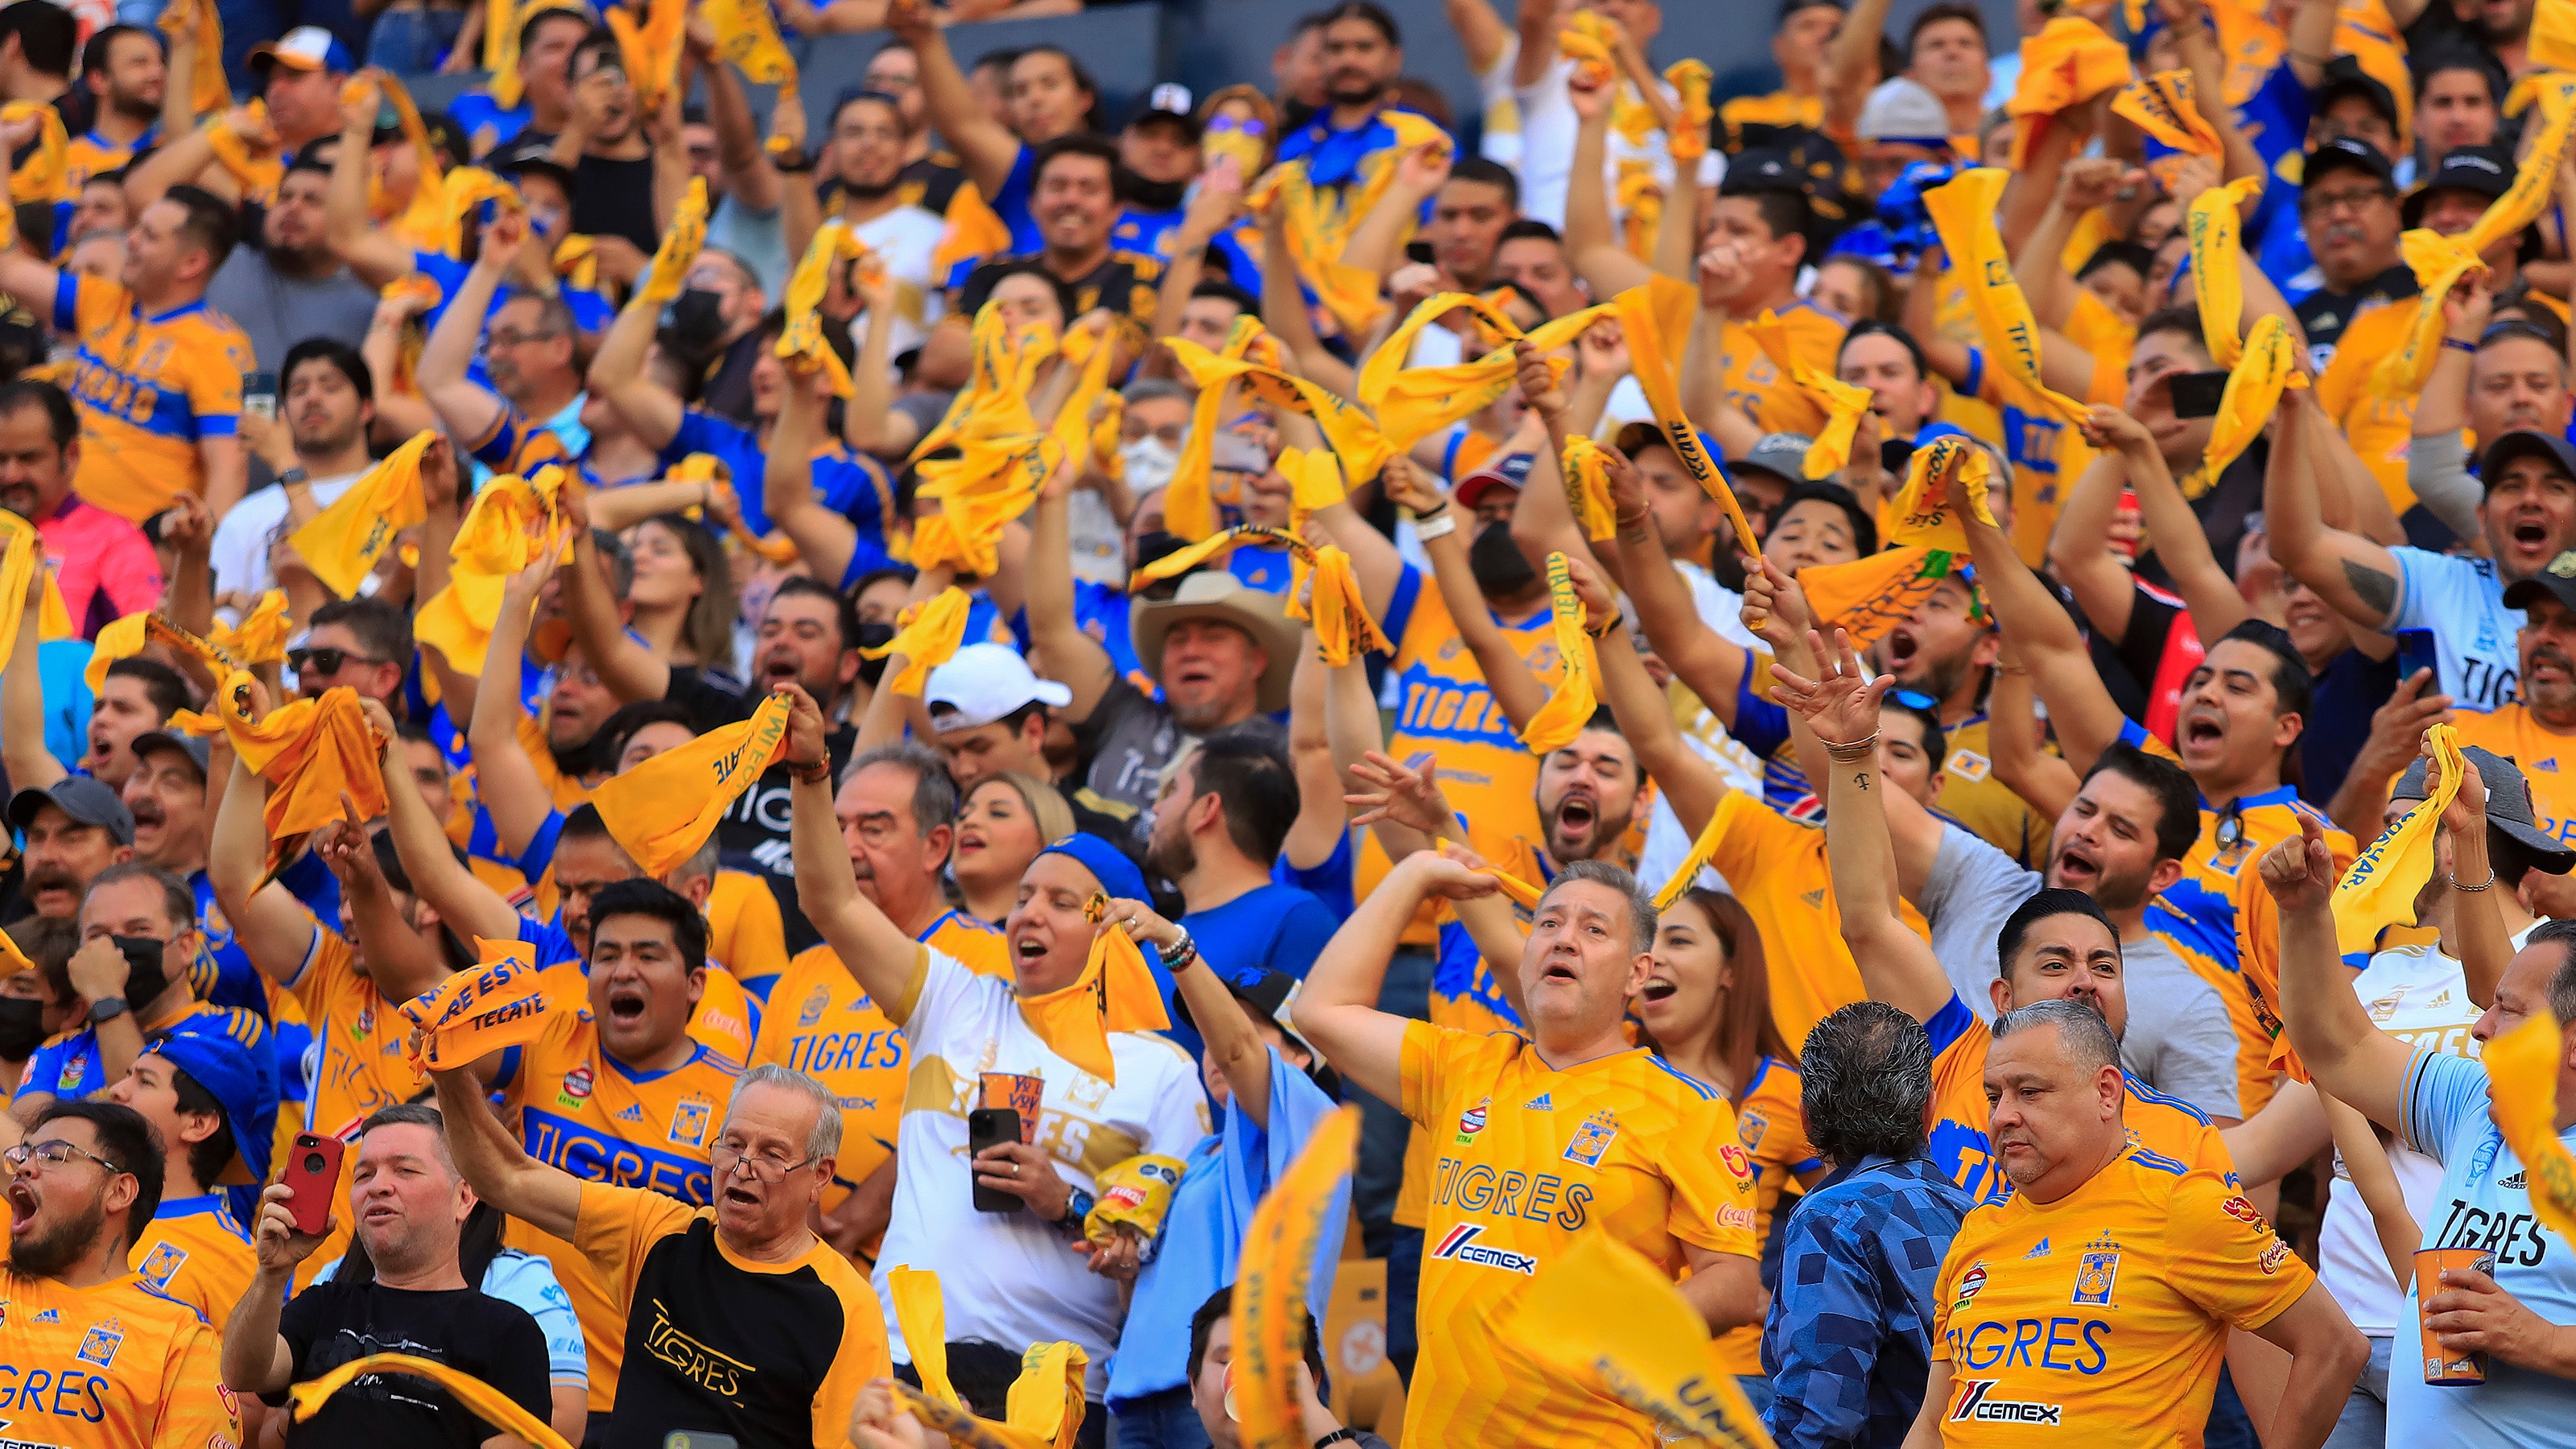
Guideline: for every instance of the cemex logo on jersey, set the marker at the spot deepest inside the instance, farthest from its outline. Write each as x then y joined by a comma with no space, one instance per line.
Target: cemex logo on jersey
1461,1246
1975,1405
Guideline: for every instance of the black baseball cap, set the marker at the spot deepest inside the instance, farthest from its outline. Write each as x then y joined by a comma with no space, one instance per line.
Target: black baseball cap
2345,77
1769,169
2344,153
2485,171
2548,447
1266,994
1168,104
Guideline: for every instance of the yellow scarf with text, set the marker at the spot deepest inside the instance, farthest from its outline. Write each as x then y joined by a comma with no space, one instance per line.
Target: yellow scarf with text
1655,318
1606,1316
1947,475
927,635
1571,705
2254,386
472,1014
1585,471
480,1399
662,810
1964,213
2379,890
668,276
2163,106
1869,596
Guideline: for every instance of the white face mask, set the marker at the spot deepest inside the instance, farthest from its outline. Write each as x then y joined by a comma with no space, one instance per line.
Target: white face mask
1150,462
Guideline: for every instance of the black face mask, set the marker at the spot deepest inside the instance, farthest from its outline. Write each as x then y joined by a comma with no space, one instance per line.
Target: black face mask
1501,569
698,319
874,636
1146,195
144,978
22,1027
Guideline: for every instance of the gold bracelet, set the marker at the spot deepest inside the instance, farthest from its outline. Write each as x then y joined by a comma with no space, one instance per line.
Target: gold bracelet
1851,752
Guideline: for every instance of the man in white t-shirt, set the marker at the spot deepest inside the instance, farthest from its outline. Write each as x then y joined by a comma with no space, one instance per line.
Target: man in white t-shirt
317,447
865,154
1548,122
1026,1275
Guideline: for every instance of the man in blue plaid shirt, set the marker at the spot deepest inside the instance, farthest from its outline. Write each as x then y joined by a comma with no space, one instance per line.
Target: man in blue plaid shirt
1849,1340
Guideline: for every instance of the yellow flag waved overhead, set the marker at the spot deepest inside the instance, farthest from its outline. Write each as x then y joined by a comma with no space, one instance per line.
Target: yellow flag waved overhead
208,92
669,274
1947,475
747,35
122,639
2522,1076
22,558
341,546
1869,596
927,635
1656,318
2552,41
2218,266
475,1013
1412,403
2065,65
1588,41
802,344
1605,1315
461,193
2254,388
1585,470
1571,705
1269,1307
1116,992
1344,628
662,810
1189,500
2379,890
259,639
652,48
922,1317
310,751
480,1399
1688,139
254,165
1843,402
1964,212
513,523
1317,222
2163,106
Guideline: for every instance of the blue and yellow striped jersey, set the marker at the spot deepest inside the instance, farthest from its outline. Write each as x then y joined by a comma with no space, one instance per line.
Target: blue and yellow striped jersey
150,388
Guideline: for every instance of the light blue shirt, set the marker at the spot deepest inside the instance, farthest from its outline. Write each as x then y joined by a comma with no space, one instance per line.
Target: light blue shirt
1203,1234
2462,601
2483,1203
529,1283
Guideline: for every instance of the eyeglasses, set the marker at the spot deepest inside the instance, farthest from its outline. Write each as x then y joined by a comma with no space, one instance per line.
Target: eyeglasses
53,1152
1249,125
2353,200
324,661
510,337
726,1158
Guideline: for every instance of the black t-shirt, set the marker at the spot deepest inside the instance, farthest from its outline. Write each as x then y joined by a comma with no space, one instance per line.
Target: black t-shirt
333,1323
615,198
2325,315
931,183
2350,690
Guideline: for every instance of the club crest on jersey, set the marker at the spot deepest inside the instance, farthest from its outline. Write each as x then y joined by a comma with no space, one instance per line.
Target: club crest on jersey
2095,1277
1977,1404
1970,1283
1749,1127
1592,1139
163,1265
99,1345
689,1122
1460,1246
576,1086
1472,1121
811,1014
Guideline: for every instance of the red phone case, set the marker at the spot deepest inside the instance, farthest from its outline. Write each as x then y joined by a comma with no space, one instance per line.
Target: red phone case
313,1170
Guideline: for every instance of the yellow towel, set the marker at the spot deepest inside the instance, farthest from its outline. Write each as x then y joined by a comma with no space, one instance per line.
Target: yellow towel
927,635
1655,318
1964,212
1271,1279
2164,107
1605,1316
479,1398
122,639
342,545
256,169
669,274
652,48
1115,992
1843,403
1869,596
1570,706
747,35
1688,140
473,1014
2065,65
802,343
1586,472
662,810
1343,626
1412,403
1944,474
2218,266
514,522
2522,1080
2254,387
2379,890
208,92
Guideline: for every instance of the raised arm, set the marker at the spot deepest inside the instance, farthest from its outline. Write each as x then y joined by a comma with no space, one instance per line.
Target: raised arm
1851,65
499,1167
1506,675
23,755
374,253
506,780
1237,1050
1710,663
1337,1008
2040,263
2044,782
2079,552
271,926
1323,822
2357,577
631,670
470,410
468,906
1689,783
399,963
2049,644
2175,530
875,951
1283,311
749,178
1896,965
618,374
1542,522
1591,233
824,539
1054,636
983,146
2345,1054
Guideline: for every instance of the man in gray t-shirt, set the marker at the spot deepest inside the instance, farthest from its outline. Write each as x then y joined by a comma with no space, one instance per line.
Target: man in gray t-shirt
288,285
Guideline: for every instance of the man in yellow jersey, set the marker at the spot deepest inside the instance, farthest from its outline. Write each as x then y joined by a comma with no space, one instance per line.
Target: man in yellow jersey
160,377
211,1104
895,806
2540,725
94,1357
1798,48
1755,247
2096,1299
125,72
1539,1138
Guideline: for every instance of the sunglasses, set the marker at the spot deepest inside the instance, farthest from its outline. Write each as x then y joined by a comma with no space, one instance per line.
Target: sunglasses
324,661
1249,125
1913,699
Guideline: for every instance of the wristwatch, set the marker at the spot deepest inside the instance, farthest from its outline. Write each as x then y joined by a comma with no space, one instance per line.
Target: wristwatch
291,477
107,1008
1077,1207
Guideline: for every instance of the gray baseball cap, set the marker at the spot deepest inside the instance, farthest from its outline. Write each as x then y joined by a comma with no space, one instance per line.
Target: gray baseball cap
1784,454
1904,110
2508,806
81,798
197,748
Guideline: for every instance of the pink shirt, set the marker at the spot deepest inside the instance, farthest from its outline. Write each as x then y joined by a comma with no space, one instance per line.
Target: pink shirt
104,565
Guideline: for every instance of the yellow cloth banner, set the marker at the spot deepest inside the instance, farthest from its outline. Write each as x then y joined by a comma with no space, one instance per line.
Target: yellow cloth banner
1181,560
1314,482
1412,403
2163,106
802,344
208,91
2522,1081
1521,891
1964,212
922,1317
652,49
2379,890
473,1014
309,750
662,810
927,635
1134,1194
480,1399
1843,403
1655,318
1688,140
1115,992
1604,1314
1946,473
1344,629
1317,224
1189,500
40,177
747,35
1869,596
2552,41
122,639
2065,65
461,193
2218,267
1702,851
1590,43
513,523
1585,471
22,557
1269,1307
2254,388
256,168
669,274
1570,706
342,545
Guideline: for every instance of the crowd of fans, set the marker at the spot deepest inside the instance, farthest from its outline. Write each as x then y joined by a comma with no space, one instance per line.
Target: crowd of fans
1753,768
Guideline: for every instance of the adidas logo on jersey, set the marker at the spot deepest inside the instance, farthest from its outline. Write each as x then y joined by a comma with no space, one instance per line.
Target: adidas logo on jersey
632,1113
2514,1182
2547,767
1539,1103
1814,898
2038,1252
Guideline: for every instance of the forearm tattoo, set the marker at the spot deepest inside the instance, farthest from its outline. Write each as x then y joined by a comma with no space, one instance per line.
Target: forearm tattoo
2376,589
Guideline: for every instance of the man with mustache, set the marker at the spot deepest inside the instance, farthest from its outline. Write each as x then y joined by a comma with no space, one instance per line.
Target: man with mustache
104,566
80,1190
74,829
2540,725
2495,375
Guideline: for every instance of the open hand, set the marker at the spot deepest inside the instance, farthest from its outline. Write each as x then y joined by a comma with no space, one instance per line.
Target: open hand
1839,706
1408,796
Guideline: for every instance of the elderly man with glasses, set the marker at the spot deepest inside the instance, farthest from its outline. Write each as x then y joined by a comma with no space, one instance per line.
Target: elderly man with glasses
127,1366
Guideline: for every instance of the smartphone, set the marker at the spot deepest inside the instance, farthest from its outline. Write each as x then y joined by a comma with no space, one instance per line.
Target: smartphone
1418,251
699,1439
1895,455
991,1127
259,394
313,1170
2197,394
2415,651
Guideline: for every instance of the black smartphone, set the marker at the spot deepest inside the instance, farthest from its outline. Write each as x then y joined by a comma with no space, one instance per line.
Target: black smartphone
1418,251
2415,651
991,1127
1895,455
259,394
2197,394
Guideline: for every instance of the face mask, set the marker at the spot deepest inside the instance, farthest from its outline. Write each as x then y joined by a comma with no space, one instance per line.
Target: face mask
698,318
1150,462
1146,195
1246,147
22,1027
1501,569
874,636
144,978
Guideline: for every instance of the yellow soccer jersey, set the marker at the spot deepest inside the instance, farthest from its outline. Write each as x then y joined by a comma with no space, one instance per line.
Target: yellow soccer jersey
1985,805
2381,429
1772,1125
91,154
1757,387
1445,712
2162,1129
149,388
196,1251
2102,1317
118,1366
1778,869
745,930
2512,733
1528,1158
585,1112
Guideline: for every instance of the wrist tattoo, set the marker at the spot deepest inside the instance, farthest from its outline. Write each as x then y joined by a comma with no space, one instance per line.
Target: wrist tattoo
1860,780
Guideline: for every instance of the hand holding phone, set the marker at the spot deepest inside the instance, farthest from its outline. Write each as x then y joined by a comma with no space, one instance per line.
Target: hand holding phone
991,1127
313,1171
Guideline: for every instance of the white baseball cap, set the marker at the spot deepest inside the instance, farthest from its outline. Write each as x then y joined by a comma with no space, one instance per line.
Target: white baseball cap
982,683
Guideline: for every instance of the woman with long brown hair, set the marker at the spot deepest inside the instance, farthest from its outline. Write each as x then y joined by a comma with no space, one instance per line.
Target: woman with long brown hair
1706,1010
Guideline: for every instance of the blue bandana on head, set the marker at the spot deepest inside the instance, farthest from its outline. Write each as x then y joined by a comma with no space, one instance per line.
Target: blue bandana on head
1118,875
